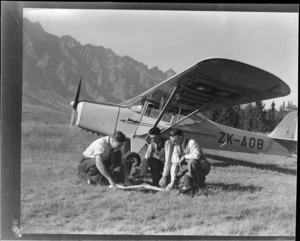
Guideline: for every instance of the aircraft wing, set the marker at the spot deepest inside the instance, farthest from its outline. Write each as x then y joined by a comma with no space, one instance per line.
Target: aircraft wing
220,82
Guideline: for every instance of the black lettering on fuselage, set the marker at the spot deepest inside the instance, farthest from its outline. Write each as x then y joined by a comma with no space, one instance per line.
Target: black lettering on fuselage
222,136
244,142
229,138
251,142
260,144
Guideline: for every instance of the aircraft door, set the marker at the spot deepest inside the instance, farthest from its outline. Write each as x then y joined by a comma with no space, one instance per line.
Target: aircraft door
128,121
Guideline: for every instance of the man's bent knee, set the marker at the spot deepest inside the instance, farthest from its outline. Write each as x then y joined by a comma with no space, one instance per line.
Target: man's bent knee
193,163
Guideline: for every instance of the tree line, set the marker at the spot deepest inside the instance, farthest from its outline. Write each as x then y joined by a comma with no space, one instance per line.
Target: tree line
252,117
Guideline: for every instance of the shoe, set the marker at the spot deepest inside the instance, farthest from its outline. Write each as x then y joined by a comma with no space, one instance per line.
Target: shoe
186,191
187,185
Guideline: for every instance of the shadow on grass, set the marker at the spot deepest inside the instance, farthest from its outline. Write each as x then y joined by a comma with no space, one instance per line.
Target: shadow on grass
234,162
216,187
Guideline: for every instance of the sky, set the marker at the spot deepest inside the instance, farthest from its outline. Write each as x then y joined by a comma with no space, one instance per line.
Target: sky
179,39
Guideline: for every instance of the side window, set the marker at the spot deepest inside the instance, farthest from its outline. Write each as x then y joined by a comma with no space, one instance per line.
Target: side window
168,117
151,111
154,113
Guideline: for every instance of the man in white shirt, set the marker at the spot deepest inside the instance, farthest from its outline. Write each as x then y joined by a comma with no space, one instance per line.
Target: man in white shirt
189,152
103,162
157,157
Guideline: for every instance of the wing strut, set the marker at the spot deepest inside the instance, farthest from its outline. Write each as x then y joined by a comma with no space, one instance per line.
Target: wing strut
179,112
165,107
192,113
142,114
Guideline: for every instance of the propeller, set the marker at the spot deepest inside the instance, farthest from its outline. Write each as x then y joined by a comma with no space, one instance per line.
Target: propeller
72,118
75,103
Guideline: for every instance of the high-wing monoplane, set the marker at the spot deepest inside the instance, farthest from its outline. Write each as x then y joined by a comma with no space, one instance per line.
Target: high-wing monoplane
208,85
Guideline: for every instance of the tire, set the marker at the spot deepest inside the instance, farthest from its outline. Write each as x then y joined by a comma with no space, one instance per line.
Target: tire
132,161
133,158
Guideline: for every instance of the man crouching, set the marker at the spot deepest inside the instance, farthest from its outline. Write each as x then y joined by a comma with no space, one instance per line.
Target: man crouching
103,163
187,151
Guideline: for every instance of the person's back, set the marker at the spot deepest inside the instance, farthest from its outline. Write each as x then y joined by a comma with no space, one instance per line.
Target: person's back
98,146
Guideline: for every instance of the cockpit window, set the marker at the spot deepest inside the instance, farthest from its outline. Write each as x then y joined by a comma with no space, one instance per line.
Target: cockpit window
154,113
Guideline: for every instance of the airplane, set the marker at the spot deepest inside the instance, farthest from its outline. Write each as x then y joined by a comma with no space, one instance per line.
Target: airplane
210,84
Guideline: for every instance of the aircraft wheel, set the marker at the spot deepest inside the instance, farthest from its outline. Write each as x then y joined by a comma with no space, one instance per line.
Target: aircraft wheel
133,158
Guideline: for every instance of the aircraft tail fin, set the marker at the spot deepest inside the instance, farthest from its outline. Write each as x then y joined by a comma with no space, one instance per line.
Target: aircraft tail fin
287,128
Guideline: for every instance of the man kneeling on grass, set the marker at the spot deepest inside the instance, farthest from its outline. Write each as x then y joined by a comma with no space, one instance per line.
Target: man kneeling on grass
187,151
103,162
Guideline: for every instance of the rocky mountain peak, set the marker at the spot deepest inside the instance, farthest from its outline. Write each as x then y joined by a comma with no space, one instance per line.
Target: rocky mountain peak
69,41
169,73
33,26
53,66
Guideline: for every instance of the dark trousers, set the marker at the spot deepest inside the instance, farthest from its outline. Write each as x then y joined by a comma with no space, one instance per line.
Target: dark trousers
197,169
87,170
156,169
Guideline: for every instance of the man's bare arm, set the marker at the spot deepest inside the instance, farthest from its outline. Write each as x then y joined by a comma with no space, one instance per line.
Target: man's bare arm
102,169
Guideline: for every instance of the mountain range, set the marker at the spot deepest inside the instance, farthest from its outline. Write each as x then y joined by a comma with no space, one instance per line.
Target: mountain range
52,67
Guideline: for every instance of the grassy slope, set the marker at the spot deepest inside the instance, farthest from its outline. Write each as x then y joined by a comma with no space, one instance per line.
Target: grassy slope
248,194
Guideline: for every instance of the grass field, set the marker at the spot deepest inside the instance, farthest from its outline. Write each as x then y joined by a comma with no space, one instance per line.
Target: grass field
249,195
